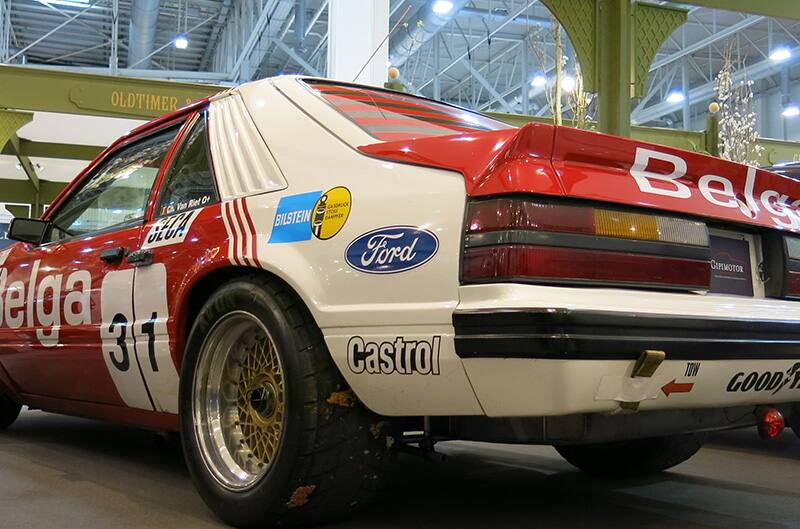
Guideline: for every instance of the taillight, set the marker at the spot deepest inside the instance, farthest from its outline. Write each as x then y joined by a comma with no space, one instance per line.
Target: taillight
519,239
770,423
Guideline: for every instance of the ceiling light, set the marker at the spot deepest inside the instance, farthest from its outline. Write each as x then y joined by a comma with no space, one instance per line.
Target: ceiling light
538,81
676,96
568,84
791,111
442,7
67,3
781,54
181,42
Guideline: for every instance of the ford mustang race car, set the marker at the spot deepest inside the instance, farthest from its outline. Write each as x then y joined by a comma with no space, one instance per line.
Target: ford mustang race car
302,276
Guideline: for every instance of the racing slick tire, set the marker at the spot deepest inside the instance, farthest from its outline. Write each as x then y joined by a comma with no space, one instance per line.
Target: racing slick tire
272,434
632,458
9,411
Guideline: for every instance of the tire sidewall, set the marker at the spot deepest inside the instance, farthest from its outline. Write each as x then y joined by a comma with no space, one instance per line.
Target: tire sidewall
271,492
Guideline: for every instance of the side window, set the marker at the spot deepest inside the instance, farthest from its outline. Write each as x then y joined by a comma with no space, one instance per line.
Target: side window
117,193
190,182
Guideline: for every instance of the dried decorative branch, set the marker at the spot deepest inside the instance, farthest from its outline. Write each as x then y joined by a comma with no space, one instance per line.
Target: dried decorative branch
577,101
738,133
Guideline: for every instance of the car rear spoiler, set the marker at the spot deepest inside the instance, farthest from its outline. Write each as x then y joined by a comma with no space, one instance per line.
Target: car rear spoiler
545,159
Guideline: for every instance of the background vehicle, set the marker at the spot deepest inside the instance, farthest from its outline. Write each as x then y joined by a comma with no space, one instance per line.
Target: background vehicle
790,169
300,275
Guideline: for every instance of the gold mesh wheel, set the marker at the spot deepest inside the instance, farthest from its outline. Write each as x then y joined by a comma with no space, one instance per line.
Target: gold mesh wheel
239,400
261,405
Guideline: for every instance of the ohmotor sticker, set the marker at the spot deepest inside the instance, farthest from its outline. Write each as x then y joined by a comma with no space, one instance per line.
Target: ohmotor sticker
400,355
392,249
317,214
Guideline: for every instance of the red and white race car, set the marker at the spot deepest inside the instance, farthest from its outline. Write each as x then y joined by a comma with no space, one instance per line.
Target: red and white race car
296,272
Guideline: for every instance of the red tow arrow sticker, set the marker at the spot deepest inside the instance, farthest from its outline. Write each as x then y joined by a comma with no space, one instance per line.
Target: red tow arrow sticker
674,387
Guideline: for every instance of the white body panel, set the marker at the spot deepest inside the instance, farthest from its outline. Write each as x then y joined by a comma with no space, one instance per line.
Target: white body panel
370,320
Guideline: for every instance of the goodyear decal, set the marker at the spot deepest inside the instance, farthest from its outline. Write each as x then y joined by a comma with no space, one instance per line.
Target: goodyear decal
317,214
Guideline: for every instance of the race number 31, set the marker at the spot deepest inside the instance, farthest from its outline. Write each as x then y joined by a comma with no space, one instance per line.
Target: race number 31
135,338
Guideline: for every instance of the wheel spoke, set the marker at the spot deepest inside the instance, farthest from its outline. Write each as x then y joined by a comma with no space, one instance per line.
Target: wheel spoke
245,397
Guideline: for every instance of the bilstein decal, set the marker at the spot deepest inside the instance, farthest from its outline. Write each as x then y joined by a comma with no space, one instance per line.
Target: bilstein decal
766,381
400,355
317,214
391,249
331,212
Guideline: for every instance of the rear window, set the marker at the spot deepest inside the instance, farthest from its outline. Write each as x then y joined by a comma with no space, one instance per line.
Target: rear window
390,116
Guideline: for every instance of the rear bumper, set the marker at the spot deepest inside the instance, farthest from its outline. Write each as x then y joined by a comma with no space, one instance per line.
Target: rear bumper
568,334
541,351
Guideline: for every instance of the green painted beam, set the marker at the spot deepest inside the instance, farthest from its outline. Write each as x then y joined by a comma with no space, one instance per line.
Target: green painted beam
769,8
47,90
22,192
614,65
25,162
64,151
10,122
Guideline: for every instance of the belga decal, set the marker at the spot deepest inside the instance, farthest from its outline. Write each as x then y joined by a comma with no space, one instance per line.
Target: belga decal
402,356
322,215
391,249
44,300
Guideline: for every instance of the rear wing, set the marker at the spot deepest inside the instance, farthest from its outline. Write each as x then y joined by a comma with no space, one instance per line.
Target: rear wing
545,159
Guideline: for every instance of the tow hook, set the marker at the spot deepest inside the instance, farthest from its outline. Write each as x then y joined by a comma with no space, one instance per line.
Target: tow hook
770,423
645,367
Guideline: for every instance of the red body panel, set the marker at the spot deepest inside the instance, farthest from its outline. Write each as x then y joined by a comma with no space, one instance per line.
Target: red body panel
63,366
61,359
540,158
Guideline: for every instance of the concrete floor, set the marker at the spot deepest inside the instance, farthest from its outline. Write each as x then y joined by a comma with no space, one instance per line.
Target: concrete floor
65,473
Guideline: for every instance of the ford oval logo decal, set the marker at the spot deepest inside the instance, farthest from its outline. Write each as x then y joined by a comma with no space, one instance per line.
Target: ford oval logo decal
391,249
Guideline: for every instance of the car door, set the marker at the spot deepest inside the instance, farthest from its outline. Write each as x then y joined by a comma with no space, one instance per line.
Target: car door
185,227
68,303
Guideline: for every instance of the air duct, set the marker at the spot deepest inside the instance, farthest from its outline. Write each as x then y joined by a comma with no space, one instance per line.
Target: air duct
422,26
299,22
142,33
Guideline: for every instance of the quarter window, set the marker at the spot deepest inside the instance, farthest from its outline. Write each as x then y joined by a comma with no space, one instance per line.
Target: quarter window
190,182
116,194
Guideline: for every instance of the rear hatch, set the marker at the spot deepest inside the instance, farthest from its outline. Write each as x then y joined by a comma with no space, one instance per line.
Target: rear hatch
559,205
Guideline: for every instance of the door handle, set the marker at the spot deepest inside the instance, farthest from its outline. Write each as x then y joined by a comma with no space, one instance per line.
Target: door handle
112,255
140,258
